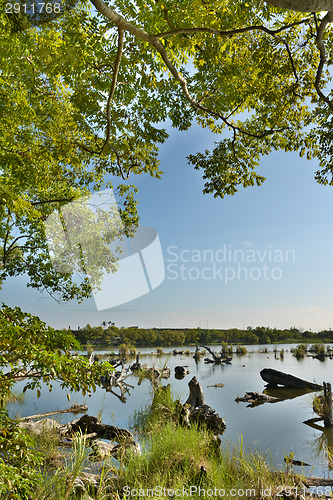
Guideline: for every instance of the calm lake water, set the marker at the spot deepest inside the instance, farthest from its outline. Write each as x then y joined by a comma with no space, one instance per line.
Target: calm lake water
275,429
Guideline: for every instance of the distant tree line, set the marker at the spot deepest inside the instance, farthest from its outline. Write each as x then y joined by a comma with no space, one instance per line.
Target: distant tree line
112,335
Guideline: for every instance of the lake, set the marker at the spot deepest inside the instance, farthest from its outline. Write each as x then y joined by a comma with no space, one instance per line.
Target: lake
275,429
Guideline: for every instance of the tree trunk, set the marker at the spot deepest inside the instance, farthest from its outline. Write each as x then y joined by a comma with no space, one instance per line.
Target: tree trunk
275,377
303,5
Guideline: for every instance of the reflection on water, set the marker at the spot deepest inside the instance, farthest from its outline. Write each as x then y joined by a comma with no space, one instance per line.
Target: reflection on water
273,428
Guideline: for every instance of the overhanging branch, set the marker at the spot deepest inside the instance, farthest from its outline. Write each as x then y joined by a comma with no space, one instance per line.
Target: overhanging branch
155,42
322,51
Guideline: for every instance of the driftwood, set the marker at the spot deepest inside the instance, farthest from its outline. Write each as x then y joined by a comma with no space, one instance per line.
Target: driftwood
151,372
146,371
73,409
216,385
180,372
275,378
291,461
87,425
116,380
321,356
218,359
196,410
257,398
177,353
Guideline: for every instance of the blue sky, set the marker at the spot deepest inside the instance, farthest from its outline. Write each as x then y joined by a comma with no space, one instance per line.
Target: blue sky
290,212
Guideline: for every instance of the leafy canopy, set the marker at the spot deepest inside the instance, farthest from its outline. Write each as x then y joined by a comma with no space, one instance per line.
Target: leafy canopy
85,99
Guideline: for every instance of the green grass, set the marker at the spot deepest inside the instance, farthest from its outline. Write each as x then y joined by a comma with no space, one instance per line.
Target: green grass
175,458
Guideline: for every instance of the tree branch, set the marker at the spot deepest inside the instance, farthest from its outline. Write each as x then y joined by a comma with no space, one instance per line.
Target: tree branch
111,93
56,200
113,85
188,31
322,51
154,41
11,248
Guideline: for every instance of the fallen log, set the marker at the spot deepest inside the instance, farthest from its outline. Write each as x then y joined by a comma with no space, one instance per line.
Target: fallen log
216,385
196,410
275,378
73,409
299,463
257,398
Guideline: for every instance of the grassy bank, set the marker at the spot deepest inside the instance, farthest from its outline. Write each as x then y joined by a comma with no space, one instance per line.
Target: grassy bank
175,461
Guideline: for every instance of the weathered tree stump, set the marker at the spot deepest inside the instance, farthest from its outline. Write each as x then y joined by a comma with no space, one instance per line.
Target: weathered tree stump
328,413
137,365
275,377
88,424
196,410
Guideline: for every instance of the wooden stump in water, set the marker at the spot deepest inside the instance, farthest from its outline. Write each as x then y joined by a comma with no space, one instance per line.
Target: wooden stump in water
328,413
196,397
198,411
